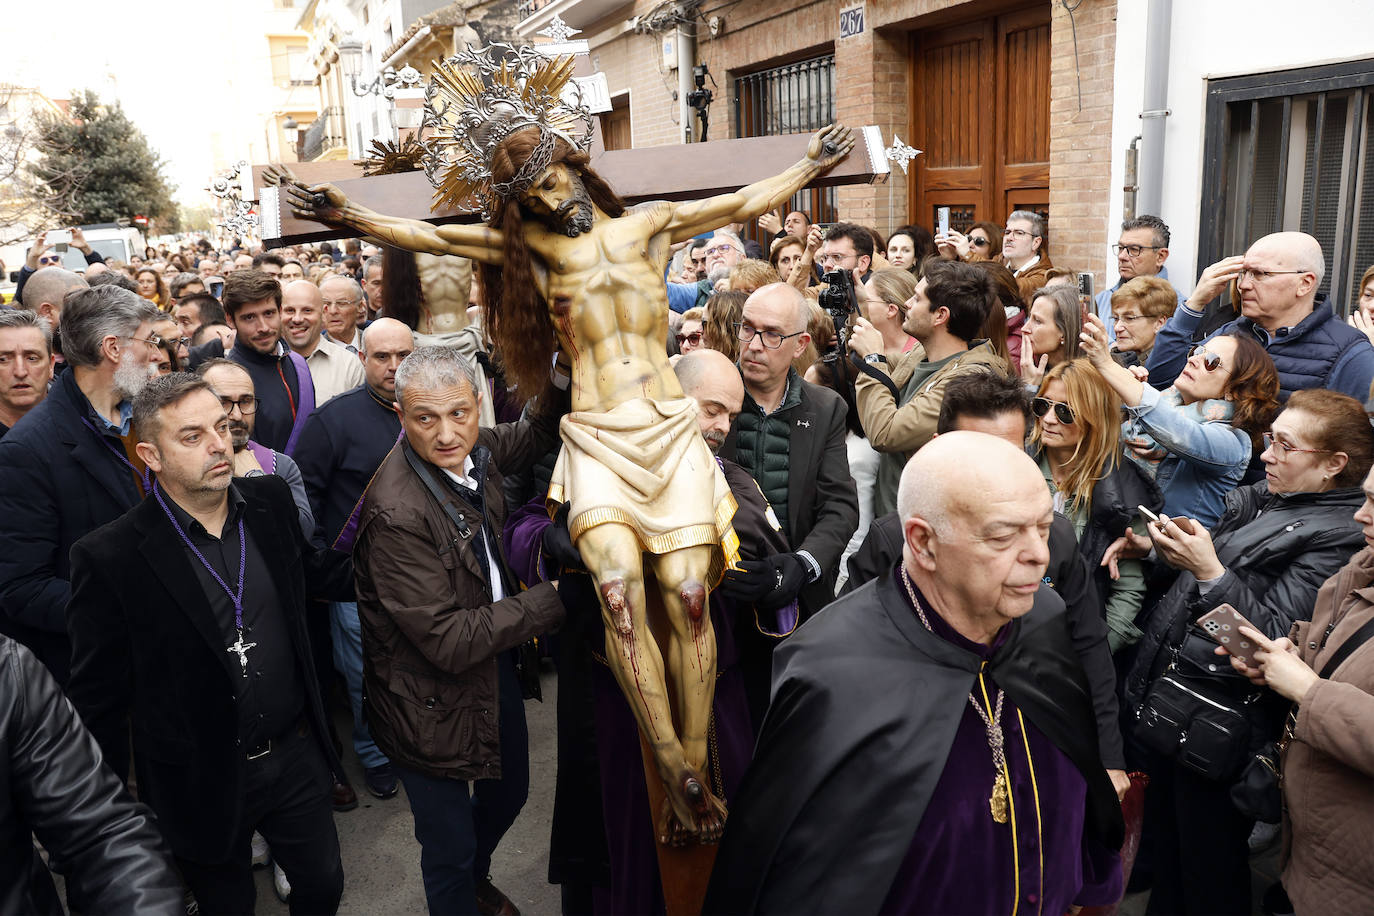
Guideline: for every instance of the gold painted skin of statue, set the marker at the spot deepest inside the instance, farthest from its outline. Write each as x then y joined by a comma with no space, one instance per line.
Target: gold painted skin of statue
609,307
445,282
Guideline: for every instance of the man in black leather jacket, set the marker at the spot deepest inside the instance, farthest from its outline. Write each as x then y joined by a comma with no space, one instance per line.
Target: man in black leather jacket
54,785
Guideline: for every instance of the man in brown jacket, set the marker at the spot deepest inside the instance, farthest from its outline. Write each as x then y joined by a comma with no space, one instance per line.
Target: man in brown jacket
1024,252
440,612
899,406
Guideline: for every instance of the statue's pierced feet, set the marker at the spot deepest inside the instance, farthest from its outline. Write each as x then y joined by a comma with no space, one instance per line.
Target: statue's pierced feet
691,813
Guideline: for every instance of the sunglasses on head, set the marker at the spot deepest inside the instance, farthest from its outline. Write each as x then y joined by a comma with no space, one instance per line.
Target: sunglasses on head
1062,412
1210,361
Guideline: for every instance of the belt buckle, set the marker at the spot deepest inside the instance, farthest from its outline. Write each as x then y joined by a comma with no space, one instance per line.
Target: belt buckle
266,749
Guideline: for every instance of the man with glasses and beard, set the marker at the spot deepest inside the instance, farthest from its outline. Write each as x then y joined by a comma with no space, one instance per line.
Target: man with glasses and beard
70,464
234,387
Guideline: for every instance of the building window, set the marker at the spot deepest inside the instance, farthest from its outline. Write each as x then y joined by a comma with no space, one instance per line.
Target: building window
1293,150
794,98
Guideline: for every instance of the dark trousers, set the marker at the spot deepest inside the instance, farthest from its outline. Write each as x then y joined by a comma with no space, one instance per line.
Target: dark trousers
458,830
287,800
1200,850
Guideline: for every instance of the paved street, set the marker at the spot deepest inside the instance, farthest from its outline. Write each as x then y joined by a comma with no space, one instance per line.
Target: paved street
382,860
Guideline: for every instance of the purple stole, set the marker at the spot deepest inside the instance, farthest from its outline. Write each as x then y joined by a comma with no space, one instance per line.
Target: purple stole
306,407
266,457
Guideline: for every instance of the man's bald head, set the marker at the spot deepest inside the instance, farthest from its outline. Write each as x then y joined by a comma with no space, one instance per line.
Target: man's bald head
715,383
976,515
45,289
385,344
1295,250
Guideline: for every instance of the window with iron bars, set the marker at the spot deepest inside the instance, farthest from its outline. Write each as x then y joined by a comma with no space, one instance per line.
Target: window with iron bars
1293,150
793,98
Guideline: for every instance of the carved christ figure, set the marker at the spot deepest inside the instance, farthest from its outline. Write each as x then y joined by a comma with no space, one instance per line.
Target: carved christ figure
566,266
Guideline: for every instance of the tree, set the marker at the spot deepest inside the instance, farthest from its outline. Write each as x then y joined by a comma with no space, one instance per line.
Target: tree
97,165
24,201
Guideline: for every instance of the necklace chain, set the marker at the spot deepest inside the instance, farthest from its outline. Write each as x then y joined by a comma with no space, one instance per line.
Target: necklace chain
993,724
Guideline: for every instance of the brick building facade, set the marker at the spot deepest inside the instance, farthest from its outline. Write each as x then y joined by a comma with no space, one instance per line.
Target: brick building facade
1050,69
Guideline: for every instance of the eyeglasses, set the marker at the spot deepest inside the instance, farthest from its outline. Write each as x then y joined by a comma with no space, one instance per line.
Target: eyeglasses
152,341
693,338
1019,233
1062,412
1120,318
770,339
1281,448
720,249
977,241
1134,251
246,404
1259,276
1210,361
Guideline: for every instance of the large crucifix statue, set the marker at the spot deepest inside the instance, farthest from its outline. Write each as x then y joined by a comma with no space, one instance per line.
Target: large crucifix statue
565,266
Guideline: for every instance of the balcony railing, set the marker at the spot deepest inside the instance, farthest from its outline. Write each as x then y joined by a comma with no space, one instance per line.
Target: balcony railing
326,133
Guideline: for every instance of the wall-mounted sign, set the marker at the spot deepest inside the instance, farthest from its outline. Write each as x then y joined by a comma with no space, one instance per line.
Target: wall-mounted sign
852,21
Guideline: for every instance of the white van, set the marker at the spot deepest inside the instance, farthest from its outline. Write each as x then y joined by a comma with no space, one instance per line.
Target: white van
112,241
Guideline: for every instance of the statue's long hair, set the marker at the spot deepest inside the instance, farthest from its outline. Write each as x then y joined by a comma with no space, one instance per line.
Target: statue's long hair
515,313
401,280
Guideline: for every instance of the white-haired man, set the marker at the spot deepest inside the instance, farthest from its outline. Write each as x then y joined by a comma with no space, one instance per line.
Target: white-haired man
959,769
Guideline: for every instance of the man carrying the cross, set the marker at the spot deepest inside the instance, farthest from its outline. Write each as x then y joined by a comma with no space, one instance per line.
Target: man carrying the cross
187,621
565,265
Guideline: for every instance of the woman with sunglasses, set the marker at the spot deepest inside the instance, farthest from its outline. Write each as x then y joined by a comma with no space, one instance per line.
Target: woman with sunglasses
1050,335
1276,543
1077,441
1194,439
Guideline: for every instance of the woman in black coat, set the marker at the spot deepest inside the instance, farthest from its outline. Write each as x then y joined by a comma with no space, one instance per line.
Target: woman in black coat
1275,545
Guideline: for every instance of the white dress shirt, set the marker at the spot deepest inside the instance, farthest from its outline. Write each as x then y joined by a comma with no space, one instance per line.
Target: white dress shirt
493,571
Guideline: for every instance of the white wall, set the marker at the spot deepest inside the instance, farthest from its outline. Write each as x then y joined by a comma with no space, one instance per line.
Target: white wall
1211,39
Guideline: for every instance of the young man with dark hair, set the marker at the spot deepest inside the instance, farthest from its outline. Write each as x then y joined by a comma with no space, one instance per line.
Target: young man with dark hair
847,246
285,389
269,262
899,404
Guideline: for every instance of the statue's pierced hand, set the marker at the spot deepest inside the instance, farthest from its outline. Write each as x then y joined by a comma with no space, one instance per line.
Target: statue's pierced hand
321,202
830,145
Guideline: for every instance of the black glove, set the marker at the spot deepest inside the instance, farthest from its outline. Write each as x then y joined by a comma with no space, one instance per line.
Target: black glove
767,584
557,543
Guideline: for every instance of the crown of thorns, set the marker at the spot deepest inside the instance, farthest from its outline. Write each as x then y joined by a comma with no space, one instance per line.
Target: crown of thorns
478,98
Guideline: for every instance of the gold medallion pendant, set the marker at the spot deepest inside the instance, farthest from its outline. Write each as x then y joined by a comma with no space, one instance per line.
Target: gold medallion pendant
999,800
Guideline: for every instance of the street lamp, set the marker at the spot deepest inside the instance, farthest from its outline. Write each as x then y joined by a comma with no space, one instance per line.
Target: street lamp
291,130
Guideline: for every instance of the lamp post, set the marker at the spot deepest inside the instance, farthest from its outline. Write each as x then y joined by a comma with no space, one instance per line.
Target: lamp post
292,131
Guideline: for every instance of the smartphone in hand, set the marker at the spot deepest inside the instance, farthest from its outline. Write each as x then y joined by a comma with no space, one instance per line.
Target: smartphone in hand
1223,624
1185,525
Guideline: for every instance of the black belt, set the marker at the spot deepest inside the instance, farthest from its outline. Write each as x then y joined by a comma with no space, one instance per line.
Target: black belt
262,750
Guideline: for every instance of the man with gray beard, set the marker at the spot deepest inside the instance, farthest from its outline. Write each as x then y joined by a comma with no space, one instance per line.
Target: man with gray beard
70,465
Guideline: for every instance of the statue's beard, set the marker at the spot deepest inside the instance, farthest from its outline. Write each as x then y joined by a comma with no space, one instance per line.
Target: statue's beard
574,217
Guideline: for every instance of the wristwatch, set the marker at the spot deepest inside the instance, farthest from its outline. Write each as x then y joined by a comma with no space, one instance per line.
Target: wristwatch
874,358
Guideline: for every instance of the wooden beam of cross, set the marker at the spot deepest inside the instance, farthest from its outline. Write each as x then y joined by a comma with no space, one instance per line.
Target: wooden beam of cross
681,172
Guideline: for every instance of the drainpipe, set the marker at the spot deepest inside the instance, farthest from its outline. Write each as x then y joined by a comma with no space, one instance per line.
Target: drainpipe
686,60
1157,28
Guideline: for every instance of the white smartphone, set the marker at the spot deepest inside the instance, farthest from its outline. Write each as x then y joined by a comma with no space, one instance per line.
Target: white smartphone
942,221
1184,524
1148,514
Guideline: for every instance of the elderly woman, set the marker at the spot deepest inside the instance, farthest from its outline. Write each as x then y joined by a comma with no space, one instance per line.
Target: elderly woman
1274,546
1327,758
1140,307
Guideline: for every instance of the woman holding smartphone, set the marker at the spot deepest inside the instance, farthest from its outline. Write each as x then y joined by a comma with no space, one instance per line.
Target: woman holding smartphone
1195,438
1275,544
1327,758
1077,442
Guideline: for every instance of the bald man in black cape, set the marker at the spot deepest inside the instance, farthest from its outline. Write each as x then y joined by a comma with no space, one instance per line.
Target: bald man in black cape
892,773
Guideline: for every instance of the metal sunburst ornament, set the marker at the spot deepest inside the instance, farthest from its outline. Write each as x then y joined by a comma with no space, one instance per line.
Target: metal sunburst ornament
387,157
478,98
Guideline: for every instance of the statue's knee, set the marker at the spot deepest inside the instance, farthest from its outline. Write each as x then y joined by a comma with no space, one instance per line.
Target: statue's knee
617,606
693,596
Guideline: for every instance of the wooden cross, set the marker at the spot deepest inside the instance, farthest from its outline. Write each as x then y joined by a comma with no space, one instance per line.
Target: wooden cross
681,172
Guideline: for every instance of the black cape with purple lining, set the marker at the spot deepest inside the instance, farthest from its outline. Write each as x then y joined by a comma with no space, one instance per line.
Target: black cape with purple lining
865,707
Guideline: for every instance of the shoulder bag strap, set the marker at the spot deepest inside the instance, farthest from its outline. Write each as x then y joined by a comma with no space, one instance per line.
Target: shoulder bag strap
1357,639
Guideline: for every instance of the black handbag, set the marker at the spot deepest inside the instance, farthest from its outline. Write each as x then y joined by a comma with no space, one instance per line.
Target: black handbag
1192,713
1259,791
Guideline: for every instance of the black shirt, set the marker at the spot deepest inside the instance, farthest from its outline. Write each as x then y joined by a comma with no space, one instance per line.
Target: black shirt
272,697
278,391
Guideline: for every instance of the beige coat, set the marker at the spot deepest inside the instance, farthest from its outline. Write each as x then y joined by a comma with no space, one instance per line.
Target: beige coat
1328,770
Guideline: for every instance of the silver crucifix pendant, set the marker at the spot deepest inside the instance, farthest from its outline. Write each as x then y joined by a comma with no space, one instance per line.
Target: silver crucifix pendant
241,649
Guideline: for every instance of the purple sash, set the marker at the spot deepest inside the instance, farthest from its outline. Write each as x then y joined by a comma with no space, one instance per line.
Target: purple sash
306,407
266,457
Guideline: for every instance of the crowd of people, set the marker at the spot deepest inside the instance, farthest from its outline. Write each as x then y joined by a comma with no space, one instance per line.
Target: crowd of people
926,439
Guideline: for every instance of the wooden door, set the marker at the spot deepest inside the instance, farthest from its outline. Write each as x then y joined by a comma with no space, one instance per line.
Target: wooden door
615,124
980,110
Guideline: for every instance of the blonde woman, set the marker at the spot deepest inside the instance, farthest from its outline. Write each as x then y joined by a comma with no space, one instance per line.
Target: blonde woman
1077,442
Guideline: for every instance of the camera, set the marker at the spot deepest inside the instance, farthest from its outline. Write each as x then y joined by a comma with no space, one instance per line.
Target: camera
839,302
